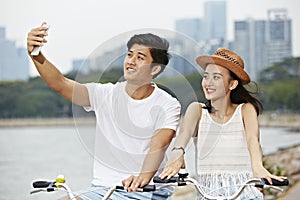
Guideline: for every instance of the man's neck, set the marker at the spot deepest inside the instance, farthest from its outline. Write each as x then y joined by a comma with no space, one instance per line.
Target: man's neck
139,92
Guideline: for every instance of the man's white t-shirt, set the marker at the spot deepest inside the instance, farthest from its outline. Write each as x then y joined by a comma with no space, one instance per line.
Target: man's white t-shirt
124,129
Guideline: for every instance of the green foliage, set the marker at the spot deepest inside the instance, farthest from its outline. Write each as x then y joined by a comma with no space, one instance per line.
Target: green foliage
289,68
186,89
112,75
280,85
35,99
32,99
281,95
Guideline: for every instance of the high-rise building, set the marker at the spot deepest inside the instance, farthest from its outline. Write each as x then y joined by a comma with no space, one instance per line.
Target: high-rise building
14,62
249,42
209,32
215,19
261,43
278,35
2,33
190,27
212,26
81,65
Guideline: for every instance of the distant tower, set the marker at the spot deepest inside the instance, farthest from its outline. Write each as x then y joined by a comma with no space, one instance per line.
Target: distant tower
81,65
2,33
14,61
190,27
249,42
215,19
278,36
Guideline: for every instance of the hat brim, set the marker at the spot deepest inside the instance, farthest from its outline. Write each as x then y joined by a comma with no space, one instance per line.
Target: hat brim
203,61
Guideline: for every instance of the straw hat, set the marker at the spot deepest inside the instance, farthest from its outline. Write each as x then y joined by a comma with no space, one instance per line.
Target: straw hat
228,59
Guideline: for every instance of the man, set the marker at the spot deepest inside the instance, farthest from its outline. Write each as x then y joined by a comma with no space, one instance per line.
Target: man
136,120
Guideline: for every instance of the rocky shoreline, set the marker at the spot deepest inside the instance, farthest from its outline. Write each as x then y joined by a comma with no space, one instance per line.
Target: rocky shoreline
291,121
284,162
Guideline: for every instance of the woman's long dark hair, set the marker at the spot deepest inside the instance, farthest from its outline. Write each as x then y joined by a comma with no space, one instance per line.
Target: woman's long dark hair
240,95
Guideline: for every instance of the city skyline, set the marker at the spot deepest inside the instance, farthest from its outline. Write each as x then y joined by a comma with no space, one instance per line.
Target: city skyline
14,62
262,43
71,36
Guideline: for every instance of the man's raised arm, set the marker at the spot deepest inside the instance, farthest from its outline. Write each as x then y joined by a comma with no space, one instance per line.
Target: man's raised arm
70,89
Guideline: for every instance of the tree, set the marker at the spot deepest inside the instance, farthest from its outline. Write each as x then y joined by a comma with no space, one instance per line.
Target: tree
280,84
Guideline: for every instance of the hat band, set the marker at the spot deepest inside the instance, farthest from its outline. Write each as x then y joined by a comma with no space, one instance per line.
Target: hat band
228,57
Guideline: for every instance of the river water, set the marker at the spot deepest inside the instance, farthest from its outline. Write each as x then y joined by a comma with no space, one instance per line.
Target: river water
30,153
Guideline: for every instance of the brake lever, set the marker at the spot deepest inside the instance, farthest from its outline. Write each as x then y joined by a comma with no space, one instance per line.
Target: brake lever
38,190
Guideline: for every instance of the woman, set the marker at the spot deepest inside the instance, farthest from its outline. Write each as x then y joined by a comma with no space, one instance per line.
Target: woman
228,150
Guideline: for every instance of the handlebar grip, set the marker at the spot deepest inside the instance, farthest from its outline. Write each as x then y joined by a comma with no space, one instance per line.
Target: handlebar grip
41,184
149,188
118,187
276,182
146,188
173,179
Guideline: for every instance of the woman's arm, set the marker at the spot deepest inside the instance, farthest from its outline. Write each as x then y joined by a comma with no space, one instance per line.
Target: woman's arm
186,131
251,124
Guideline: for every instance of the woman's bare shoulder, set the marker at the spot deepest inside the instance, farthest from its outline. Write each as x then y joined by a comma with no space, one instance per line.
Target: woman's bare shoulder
195,108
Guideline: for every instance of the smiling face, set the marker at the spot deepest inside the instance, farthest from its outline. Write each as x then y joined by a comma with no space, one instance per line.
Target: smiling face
217,82
137,65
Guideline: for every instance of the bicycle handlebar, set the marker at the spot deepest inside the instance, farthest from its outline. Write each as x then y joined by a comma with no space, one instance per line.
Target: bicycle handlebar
59,184
264,181
183,179
146,188
50,186
45,184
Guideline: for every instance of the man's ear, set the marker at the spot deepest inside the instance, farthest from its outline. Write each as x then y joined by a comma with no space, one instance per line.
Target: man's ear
234,84
155,69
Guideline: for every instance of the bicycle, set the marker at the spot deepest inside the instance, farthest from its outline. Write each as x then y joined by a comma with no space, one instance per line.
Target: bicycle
181,180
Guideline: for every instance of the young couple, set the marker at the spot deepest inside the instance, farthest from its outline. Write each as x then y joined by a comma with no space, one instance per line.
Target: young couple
136,121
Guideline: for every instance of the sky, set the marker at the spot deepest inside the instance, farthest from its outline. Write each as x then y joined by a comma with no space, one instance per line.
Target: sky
78,27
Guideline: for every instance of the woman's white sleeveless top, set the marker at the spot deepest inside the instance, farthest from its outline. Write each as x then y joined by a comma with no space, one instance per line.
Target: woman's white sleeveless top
223,161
